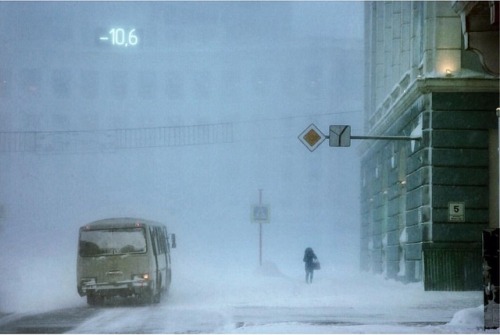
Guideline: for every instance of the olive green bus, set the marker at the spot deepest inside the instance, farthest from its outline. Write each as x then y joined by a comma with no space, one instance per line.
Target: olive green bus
124,257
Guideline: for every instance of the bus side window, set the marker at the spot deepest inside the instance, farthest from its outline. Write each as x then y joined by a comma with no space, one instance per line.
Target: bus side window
154,241
162,238
166,241
157,235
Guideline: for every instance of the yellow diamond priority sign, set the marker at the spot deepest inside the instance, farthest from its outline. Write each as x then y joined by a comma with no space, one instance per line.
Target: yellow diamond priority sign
312,137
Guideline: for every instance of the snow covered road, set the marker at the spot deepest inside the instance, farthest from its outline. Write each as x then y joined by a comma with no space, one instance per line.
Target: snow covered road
270,302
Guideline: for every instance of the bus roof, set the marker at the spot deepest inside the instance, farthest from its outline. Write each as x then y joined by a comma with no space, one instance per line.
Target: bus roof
120,223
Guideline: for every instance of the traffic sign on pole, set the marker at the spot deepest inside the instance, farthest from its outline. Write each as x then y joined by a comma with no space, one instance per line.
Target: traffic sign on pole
312,137
340,136
261,214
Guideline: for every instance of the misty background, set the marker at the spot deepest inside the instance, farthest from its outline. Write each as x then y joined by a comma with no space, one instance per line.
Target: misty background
265,71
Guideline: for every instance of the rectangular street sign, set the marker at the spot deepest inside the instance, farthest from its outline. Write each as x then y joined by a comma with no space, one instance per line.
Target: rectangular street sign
261,214
340,136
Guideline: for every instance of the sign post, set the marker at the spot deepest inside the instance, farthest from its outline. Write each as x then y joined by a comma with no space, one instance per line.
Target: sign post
340,136
498,153
260,215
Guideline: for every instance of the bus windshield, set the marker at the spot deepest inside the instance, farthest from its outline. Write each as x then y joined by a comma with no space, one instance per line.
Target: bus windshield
112,242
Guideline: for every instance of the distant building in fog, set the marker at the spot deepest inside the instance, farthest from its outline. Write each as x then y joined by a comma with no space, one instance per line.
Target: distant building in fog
101,76
101,65
431,71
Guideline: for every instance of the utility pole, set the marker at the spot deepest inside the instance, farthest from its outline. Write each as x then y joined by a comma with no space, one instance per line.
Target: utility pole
2,214
498,153
260,215
260,230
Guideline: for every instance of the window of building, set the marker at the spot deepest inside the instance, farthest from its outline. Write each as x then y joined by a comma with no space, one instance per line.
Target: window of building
174,85
231,83
147,85
202,82
89,84
289,81
313,80
61,83
30,82
260,81
5,83
119,84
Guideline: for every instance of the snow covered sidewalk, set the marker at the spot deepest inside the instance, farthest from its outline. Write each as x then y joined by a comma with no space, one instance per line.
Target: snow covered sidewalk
239,299
267,301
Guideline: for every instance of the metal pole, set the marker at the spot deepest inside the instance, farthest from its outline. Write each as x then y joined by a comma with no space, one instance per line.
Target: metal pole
260,230
498,139
260,243
394,138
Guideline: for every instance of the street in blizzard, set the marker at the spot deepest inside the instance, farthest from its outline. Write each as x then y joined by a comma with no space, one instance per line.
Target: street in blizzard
264,300
128,127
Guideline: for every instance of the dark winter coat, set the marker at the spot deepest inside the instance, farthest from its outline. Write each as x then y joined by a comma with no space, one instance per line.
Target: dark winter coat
309,258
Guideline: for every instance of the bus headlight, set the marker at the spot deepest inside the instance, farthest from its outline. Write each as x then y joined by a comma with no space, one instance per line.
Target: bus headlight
141,277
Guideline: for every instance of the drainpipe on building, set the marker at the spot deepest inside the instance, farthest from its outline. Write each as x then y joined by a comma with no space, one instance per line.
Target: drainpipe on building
498,116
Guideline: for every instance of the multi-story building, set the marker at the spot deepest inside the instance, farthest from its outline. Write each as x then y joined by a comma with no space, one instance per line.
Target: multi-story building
431,74
87,65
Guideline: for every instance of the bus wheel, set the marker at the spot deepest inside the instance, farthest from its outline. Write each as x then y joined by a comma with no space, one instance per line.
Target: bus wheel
157,298
94,299
146,298
150,298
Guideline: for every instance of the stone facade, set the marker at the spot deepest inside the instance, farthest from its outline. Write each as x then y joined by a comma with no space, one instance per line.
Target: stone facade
421,82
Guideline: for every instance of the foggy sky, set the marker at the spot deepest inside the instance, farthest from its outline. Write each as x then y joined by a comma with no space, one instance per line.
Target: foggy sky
204,193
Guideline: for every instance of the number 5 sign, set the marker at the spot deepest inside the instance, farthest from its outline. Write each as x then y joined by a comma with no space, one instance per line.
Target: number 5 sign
456,211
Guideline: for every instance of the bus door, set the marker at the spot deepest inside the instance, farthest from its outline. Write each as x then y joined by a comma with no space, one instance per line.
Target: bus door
154,244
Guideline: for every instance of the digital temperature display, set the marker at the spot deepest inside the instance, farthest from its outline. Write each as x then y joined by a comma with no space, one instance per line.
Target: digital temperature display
119,37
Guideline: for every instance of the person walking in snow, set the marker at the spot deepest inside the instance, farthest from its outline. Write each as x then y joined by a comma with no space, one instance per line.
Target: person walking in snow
310,261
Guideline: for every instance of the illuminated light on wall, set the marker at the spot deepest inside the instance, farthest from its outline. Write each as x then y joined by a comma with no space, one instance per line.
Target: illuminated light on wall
447,62
447,69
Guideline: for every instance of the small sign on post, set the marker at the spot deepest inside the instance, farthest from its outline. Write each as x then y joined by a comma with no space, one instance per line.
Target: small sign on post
261,214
